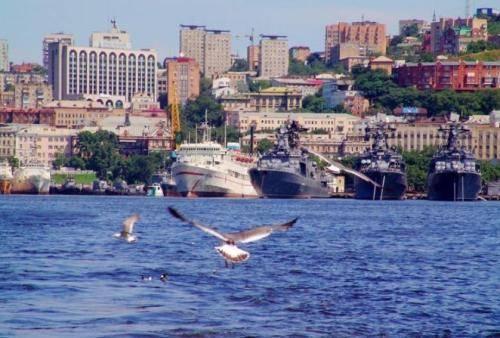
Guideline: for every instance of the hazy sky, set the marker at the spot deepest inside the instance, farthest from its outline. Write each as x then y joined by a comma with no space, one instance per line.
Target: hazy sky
155,23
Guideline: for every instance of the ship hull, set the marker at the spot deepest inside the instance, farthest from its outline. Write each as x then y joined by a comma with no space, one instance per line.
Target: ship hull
394,186
5,186
453,186
31,181
194,181
281,184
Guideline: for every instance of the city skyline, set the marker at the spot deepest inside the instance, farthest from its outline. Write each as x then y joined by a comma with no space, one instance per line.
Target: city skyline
26,22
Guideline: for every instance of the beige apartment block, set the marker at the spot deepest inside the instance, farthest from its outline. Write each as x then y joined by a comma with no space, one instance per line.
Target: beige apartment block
38,143
77,114
32,95
483,141
365,34
338,124
273,56
211,48
217,52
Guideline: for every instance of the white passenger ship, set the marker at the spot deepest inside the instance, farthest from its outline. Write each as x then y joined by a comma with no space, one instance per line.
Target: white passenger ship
207,169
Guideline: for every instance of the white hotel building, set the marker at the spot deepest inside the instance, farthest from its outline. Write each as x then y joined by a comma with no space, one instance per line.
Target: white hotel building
105,75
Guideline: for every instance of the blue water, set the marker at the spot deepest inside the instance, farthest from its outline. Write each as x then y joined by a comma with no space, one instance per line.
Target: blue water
347,268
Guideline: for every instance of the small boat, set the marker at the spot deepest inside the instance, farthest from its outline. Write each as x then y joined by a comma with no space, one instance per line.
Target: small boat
154,190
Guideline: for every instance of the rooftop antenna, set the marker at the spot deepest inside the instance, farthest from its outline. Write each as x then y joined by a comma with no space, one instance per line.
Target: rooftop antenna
434,16
362,18
467,9
113,22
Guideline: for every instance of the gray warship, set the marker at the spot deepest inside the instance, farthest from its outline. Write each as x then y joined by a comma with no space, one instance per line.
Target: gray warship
287,171
454,174
383,165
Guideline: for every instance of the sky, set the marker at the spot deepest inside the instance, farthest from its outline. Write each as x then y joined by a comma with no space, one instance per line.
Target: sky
155,23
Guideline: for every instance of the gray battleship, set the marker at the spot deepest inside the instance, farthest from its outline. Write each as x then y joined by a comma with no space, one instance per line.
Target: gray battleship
384,166
287,171
453,174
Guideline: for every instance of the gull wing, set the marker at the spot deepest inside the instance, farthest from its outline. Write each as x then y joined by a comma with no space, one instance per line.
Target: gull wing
260,232
200,226
337,167
128,223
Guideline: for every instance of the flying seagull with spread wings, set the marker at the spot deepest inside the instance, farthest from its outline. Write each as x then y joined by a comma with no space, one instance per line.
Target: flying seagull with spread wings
228,249
128,227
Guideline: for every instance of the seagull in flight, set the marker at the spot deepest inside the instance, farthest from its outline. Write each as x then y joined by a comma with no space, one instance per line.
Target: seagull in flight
228,249
128,227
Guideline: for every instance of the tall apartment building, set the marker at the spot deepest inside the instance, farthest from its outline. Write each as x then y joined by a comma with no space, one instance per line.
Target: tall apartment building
115,38
451,36
4,55
209,47
367,35
273,56
56,37
217,58
183,77
253,56
109,76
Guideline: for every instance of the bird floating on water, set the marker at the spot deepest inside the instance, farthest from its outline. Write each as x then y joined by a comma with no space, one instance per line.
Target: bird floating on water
228,250
128,227
163,277
146,278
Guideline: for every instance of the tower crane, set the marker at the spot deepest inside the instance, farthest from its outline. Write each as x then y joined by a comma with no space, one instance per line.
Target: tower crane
175,116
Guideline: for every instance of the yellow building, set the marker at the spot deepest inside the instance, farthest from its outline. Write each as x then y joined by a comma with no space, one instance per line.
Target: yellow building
483,141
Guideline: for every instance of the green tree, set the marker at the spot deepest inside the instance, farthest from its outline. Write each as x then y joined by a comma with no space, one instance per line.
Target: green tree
489,171
13,162
315,103
76,162
417,164
258,85
411,30
100,151
264,145
59,161
373,84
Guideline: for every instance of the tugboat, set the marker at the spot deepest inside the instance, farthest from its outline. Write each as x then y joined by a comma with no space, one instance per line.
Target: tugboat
382,165
287,171
454,174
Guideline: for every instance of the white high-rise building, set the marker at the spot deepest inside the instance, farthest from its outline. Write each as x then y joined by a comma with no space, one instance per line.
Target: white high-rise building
115,39
4,55
109,76
56,37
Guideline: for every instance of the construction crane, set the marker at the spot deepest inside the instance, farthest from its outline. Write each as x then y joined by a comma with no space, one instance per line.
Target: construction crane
250,37
175,117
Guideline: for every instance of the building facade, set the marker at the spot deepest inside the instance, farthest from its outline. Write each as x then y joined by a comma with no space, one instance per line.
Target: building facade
456,75
483,141
4,55
114,39
421,25
253,57
365,34
274,58
35,143
211,48
451,36
183,77
32,95
300,53
267,100
67,39
109,76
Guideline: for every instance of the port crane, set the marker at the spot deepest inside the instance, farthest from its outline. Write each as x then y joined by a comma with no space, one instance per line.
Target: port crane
175,116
